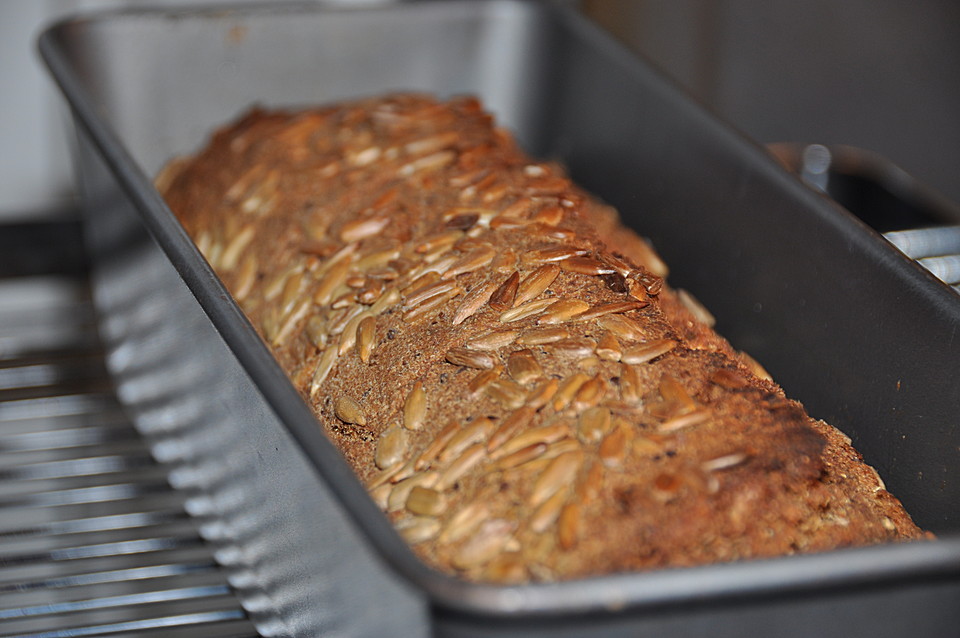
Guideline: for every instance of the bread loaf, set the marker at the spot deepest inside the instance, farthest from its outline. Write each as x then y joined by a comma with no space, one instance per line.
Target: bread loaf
499,359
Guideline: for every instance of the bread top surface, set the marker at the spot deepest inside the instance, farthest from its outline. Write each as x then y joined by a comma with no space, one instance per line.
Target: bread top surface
525,403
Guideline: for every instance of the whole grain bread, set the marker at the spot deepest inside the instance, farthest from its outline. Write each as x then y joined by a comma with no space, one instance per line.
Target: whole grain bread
500,360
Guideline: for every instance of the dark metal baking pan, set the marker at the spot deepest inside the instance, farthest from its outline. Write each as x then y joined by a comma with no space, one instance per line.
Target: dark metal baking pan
865,337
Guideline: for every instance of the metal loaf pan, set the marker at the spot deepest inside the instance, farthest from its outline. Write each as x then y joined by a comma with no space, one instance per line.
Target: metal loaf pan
847,324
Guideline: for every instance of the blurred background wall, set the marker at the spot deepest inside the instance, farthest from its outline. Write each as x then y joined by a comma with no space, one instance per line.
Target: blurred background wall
883,75
878,74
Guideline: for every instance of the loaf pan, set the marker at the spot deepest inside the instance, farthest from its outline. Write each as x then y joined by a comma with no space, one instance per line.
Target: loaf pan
867,339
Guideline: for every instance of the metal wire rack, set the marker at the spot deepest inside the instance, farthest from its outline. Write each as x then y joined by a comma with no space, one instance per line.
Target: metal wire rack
93,541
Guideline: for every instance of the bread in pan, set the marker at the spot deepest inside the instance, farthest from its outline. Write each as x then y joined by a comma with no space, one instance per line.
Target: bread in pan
500,360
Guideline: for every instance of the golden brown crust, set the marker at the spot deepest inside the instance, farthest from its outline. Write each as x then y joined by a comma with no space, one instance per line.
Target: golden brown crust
524,403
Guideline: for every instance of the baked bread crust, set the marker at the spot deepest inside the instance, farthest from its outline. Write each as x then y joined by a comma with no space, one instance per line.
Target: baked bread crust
498,358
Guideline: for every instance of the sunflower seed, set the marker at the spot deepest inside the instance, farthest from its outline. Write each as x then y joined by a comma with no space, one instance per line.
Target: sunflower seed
588,490
544,517
234,250
493,340
325,365
697,309
651,283
295,316
550,215
523,367
685,421
507,568
291,292
424,293
542,336
563,310
376,259
648,351
462,222
754,366
476,432
519,208
608,348
349,411
391,447
430,162
380,494
432,143
474,260
371,292
470,177
425,501
504,262
486,544
464,522
438,266
574,347
568,390
542,394
528,309
590,394
518,420
507,393
463,464
546,435
430,305
535,283
273,288
470,358
623,327
330,281
521,456
589,364
630,389
473,301
439,442
443,239
246,278
563,446
613,450
508,222
415,407
593,424
418,529
366,330
724,462
728,379
263,196
421,282
503,297
383,478
585,266
345,300
558,474
483,379
672,391
401,491
568,526
356,281
388,299
358,229
552,253
610,308
348,338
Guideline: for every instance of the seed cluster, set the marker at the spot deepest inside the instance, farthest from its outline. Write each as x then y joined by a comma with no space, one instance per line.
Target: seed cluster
499,379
